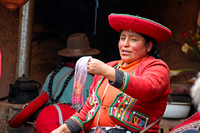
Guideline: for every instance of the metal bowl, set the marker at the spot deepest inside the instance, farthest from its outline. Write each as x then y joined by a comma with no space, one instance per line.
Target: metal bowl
177,110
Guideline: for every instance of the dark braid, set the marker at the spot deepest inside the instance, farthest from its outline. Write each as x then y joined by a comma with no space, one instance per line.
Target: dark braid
57,69
154,51
65,85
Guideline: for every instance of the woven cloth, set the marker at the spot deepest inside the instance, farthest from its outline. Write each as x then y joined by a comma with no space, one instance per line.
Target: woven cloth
190,125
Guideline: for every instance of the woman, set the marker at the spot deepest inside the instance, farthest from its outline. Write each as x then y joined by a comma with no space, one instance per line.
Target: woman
131,94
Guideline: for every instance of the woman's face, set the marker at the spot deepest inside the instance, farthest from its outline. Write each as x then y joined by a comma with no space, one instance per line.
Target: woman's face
132,46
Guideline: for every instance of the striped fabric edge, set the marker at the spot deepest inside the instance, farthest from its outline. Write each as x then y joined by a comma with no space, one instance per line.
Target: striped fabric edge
125,81
77,120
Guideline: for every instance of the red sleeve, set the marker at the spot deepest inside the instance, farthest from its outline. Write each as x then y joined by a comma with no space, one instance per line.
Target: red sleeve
150,80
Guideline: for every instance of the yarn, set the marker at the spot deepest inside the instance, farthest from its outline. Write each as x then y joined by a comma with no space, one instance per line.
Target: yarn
79,82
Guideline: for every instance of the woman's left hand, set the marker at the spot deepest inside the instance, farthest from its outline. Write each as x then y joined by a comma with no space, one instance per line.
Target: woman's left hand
62,129
98,67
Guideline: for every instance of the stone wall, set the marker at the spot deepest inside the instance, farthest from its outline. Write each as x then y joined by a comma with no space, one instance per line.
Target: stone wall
7,111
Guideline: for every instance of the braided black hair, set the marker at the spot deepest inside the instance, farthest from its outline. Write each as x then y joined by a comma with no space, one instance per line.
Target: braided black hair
65,85
154,50
57,69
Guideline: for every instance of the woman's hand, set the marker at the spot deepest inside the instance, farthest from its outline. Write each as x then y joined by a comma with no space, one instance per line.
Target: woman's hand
62,129
98,67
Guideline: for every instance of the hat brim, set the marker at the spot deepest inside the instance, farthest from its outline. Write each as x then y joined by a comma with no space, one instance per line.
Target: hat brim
30,109
77,52
138,24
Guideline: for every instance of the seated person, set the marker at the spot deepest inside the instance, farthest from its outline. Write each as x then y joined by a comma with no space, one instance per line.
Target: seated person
59,84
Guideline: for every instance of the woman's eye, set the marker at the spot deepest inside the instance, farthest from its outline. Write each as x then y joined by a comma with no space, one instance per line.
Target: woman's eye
122,38
133,39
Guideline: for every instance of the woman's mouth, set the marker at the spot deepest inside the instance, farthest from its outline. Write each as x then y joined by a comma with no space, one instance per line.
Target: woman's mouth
125,52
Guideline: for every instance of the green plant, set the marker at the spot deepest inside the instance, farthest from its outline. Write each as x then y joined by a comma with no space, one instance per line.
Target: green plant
177,72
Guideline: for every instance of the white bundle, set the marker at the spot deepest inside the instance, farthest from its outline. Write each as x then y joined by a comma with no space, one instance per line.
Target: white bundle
195,92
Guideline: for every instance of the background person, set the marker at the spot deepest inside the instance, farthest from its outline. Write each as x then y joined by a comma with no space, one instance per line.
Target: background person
59,83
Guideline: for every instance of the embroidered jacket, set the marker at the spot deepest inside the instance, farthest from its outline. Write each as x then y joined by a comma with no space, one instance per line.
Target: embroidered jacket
142,100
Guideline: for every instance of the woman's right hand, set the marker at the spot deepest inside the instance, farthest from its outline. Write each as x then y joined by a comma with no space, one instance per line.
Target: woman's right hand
62,129
98,67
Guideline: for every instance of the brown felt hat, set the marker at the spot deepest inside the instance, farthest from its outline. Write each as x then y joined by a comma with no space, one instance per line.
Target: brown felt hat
78,45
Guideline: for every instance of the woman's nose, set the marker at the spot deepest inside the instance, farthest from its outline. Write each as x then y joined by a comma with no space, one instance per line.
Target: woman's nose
126,42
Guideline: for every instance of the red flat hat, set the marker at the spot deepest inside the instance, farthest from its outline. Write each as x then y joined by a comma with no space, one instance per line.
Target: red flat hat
138,24
30,109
